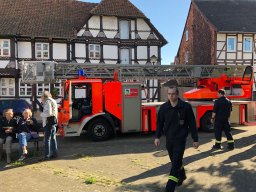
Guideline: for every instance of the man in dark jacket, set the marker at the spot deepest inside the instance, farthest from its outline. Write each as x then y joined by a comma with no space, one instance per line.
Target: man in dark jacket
175,118
220,117
8,128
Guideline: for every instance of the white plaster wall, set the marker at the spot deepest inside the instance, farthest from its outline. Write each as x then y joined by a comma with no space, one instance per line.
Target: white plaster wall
24,50
94,22
143,35
239,55
221,37
80,50
220,46
110,51
80,60
132,29
142,62
95,61
111,62
132,25
231,56
153,51
132,55
110,34
142,52
142,26
247,55
80,33
240,37
59,51
110,24
94,32
4,63
239,46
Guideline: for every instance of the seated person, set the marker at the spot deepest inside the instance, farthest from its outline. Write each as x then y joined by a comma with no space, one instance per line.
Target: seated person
8,128
27,129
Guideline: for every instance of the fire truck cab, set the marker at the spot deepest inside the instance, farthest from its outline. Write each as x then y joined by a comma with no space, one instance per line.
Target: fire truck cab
100,108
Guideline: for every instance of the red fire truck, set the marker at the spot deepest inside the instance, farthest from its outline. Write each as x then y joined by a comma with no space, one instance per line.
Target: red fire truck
101,107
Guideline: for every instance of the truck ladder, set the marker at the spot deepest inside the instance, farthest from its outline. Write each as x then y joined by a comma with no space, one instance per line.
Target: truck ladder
49,71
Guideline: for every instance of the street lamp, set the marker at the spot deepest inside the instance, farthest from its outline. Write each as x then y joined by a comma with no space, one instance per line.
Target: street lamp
153,59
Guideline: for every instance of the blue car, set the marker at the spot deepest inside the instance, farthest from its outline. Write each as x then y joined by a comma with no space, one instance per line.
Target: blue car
18,106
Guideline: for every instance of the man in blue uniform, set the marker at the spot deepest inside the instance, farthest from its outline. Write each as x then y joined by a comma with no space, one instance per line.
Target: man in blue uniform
175,118
220,117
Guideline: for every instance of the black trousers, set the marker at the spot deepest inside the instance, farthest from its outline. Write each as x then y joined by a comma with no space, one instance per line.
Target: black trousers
222,125
176,151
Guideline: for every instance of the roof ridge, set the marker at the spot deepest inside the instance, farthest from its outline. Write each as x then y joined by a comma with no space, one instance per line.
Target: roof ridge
112,7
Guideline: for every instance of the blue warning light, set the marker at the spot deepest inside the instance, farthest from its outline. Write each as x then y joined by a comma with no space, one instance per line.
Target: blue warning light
81,72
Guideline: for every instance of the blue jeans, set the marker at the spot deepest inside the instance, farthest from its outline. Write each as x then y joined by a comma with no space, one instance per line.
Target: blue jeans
50,142
23,140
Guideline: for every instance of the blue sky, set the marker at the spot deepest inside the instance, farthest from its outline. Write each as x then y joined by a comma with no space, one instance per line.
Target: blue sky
169,17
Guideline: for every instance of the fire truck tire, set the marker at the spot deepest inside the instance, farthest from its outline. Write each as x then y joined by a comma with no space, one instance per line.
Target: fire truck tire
206,124
99,130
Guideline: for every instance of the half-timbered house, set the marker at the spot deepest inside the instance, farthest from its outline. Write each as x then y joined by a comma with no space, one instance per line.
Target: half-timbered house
111,32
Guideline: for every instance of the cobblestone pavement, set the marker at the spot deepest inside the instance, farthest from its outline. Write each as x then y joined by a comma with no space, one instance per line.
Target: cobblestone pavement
132,163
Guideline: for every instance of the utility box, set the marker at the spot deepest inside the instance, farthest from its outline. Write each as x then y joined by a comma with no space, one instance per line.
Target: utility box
131,96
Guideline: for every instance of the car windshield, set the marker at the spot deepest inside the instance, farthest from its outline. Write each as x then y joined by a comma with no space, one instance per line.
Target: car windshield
16,105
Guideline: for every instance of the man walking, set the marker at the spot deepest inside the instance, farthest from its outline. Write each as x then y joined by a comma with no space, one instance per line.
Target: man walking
175,118
220,117
50,120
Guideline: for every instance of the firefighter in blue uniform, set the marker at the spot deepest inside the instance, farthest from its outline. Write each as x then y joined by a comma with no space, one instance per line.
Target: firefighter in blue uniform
220,117
175,119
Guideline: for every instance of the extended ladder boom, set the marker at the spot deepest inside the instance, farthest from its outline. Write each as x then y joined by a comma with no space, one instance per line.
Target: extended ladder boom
49,71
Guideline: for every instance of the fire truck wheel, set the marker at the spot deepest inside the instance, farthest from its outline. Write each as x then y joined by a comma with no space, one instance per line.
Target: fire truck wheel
206,124
99,130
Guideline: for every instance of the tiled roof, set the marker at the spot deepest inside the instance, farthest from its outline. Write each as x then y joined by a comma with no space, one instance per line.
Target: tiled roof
59,18
230,15
121,8
49,18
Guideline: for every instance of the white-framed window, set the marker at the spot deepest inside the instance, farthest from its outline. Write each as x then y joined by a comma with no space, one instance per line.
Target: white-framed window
247,44
41,88
5,48
7,87
25,89
42,50
58,87
124,29
94,51
231,44
186,35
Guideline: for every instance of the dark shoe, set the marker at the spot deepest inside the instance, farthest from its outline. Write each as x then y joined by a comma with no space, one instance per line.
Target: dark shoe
182,177
53,156
231,147
44,159
216,147
22,157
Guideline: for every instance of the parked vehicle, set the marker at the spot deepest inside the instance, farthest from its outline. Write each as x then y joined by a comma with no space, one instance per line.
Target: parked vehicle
100,108
18,106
